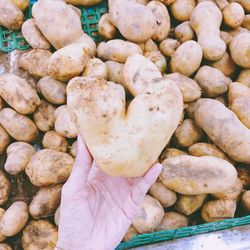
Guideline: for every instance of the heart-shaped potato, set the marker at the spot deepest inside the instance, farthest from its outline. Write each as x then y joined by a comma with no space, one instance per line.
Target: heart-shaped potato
124,142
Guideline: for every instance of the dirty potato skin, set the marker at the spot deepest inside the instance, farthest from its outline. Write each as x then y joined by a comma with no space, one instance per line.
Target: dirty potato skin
4,246
49,167
2,236
39,235
52,140
105,27
4,140
245,200
5,188
169,46
73,149
114,72
158,59
96,68
182,9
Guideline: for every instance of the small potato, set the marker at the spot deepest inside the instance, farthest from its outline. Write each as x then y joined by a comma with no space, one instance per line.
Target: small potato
192,175
190,90
169,46
117,50
18,126
187,58
245,201
237,90
218,210
14,219
158,59
39,235
244,77
166,197
2,237
33,35
4,140
49,167
114,71
52,140
18,93
5,188
184,32
246,22
63,123
57,216
4,246
244,176
35,62
150,46
18,157
52,90
45,202
150,215
105,27
188,133
130,233
214,86
73,149
188,204
171,152
172,220
44,116
96,68
182,9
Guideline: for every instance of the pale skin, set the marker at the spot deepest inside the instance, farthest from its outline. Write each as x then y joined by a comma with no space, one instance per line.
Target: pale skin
96,209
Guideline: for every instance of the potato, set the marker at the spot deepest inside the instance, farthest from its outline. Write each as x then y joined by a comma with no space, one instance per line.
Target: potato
237,90
218,210
188,133
130,233
39,235
57,216
192,175
4,246
161,15
48,167
2,237
83,2
33,35
246,22
73,149
5,188
209,39
114,71
63,16
168,46
245,200
18,126
224,128
214,86
52,90
183,32
45,202
172,220
18,157
11,17
244,77
190,90
166,197
171,152
240,49
117,50
187,58
158,59
188,204
105,27
124,15
182,9
52,140
4,140
150,46
244,175
1,103
63,123
14,219
95,67
231,194
35,62
18,93
226,37
159,107
150,215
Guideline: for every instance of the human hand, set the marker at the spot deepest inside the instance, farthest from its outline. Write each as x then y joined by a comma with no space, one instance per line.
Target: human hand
96,209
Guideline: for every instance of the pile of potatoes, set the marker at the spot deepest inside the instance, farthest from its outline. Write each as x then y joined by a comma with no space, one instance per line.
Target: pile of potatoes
170,82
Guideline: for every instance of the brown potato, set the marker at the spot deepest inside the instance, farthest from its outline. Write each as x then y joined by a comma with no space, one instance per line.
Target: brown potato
1,103
18,93
5,188
237,90
14,219
189,110
4,140
73,149
44,116
150,46
184,32
52,90
4,246
244,77
158,59
52,140
63,123
226,37
2,237
169,46
246,22
49,167
182,9
150,215
18,126
244,175
245,200
172,220
218,210
171,152
130,233
39,235
21,4
45,202
96,68
83,2
114,71
18,157
105,27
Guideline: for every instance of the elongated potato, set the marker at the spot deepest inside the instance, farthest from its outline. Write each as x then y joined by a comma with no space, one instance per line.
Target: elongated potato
4,140
130,233
170,152
96,68
224,129
52,140
114,71
158,59
237,90
14,219
49,167
187,58
52,90
5,188
169,46
245,200
39,235
45,202
2,236
197,175
4,246
105,27
18,93
244,77
184,32
18,126
117,50
18,156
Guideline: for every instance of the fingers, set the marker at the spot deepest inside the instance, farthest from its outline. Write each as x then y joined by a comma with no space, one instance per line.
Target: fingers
143,185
